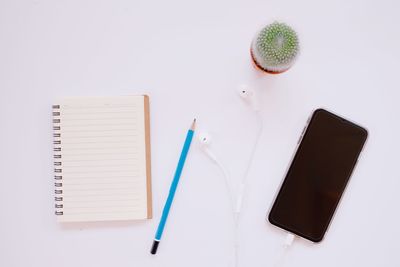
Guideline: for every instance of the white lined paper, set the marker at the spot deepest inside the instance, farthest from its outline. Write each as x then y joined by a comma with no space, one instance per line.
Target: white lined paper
103,158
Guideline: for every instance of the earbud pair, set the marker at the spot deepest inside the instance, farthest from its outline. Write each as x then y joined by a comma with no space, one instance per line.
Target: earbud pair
250,97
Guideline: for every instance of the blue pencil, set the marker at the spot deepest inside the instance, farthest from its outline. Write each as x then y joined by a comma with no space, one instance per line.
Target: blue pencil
173,187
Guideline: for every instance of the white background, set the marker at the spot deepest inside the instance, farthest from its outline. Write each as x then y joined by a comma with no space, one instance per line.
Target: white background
189,56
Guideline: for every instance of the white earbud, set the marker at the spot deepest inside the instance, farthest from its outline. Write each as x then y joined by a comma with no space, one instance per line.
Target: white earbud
205,138
248,95
245,92
205,141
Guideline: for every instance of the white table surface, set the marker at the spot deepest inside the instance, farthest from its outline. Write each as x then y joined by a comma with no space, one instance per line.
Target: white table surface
189,56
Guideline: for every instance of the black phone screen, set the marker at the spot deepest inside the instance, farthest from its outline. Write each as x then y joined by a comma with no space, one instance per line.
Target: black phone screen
318,175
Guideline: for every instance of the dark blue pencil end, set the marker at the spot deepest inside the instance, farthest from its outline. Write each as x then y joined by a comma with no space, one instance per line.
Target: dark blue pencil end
154,247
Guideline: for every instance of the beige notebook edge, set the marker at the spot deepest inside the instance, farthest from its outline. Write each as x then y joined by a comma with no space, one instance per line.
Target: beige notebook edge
148,156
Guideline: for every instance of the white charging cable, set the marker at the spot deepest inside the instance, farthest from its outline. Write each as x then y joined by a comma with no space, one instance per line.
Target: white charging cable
288,242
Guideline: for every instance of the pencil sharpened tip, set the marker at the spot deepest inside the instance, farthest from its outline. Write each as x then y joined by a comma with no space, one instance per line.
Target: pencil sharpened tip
193,126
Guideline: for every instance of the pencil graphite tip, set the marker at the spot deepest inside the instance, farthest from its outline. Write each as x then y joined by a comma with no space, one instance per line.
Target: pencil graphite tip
193,125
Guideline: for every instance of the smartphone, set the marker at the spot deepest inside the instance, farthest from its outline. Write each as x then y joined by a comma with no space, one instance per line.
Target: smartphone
327,153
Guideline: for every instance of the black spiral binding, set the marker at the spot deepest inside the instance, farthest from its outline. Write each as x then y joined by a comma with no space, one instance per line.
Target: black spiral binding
57,164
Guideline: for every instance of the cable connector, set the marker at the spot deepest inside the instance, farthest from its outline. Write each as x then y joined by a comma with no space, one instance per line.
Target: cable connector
289,240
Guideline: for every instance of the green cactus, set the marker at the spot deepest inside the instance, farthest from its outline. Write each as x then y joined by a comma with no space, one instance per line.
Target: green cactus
275,47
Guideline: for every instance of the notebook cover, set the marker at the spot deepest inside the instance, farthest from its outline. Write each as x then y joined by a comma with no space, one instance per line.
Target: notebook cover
148,184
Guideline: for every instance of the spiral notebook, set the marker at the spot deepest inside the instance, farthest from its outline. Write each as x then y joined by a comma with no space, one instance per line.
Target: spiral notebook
102,159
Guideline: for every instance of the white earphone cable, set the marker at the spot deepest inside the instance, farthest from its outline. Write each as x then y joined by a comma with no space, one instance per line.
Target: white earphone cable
254,148
236,202
237,199
232,203
228,186
249,163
